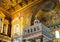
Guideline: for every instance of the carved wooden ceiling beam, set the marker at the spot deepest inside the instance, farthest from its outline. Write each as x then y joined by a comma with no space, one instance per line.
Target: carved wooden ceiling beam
5,12
27,6
13,6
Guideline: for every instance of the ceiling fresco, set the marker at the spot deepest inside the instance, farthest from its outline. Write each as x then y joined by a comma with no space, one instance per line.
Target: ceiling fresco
48,6
49,14
32,9
13,6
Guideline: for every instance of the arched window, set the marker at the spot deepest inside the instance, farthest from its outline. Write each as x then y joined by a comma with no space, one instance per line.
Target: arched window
0,21
28,31
36,21
34,29
0,24
16,40
31,30
16,28
4,28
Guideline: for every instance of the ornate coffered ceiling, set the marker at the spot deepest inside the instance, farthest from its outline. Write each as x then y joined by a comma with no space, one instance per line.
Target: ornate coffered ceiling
10,7
6,4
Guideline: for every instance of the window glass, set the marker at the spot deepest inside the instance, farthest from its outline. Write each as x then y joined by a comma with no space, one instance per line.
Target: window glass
34,29
31,30
4,28
16,40
0,21
0,24
28,30
16,28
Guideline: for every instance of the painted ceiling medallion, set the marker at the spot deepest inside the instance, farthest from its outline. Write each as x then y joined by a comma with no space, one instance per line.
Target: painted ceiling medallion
48,6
